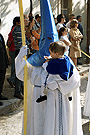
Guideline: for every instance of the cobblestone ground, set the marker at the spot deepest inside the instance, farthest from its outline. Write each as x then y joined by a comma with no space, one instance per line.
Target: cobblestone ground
11,123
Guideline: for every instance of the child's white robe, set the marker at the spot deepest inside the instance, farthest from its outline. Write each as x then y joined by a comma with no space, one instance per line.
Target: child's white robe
87,98
35,117
71,110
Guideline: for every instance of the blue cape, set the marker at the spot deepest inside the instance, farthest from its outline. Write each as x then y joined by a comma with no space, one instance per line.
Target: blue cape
61,66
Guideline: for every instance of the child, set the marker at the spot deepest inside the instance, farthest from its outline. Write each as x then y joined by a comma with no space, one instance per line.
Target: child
59,64
75,39
64,37
61,80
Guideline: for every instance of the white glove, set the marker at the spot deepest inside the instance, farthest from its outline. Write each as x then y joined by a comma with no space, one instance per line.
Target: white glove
20,61
23,51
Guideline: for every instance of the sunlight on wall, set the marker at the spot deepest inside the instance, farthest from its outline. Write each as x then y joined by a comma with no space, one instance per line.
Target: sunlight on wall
9,9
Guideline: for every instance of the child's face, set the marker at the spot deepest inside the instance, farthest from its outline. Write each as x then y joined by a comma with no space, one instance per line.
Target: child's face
76,25
53,55
64,33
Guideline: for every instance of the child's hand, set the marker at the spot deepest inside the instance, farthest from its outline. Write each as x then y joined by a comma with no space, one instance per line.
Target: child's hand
47,57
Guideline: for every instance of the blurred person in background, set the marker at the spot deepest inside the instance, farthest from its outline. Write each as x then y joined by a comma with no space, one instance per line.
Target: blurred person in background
79,18
63,36
4,64
11,46
33,36
60,21
17,37
71,17
37,24
75,39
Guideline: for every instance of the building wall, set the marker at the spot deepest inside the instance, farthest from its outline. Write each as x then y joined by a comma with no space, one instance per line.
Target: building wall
9,9
56,7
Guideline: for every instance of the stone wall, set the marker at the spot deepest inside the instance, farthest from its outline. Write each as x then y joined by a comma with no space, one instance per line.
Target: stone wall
9,9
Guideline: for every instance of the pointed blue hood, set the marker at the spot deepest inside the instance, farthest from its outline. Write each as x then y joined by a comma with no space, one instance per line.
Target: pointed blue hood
48,34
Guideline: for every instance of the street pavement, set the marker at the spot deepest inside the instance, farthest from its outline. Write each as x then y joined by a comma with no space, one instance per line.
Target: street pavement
11,123
13,104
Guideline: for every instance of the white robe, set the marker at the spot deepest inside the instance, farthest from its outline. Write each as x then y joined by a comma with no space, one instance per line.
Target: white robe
71,110
35,112
87,98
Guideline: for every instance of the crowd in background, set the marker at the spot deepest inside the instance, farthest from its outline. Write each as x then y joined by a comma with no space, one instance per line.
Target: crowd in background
71,33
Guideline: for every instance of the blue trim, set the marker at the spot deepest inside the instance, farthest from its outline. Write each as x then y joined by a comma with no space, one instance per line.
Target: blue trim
46,80
60,113
37,86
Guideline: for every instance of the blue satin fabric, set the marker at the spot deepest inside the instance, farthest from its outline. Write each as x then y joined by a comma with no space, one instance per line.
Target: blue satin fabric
48,34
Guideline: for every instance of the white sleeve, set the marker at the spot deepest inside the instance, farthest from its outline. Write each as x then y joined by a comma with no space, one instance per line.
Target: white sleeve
59,26
66,87
45,65
19,68
68,24
55,81
73,83
66,39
